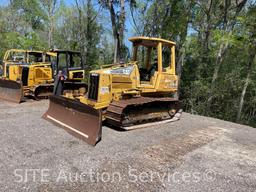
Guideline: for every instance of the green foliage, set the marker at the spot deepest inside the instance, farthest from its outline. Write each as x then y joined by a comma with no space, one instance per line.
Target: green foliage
201,29
72,27
31,12
196,76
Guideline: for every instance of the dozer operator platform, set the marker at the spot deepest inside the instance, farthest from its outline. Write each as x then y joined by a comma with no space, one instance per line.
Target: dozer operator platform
26,73
131,95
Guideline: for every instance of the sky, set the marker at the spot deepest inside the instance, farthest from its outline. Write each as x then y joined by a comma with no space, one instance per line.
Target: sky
4,2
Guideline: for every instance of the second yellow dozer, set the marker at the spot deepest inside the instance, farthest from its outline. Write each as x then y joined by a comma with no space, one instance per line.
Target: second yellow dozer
142,92
26,73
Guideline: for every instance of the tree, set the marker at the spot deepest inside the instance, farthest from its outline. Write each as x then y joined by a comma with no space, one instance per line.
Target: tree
250,30
50,8
118,25
228,24
78,29
30,11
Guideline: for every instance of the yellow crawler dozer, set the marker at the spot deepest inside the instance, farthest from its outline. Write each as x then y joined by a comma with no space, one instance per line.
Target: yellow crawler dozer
26,73
129,95
70,74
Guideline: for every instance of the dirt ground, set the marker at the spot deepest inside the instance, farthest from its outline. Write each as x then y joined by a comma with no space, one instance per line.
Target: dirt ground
194,154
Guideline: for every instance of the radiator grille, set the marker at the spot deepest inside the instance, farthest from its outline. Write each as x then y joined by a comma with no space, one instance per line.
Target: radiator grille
7,71
24,76
78,75
93,86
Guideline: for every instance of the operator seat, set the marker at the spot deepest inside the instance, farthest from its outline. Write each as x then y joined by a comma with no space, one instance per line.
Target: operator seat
145,75
152,71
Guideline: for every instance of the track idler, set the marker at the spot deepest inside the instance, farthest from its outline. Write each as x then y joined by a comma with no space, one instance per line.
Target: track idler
78,119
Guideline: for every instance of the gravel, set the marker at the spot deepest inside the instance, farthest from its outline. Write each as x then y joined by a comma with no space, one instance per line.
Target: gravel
194,154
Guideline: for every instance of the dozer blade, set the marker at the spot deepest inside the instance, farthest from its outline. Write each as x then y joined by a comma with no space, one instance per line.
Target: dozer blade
11,90
78,119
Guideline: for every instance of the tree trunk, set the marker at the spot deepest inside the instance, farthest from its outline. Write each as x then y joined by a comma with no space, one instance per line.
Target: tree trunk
80,33
208,30
51,8
50,32
121,22
180,63
218,62
181,55
241,103
88,32
115,31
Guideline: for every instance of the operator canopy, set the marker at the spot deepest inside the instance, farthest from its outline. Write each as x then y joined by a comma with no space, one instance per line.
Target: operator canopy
150,41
